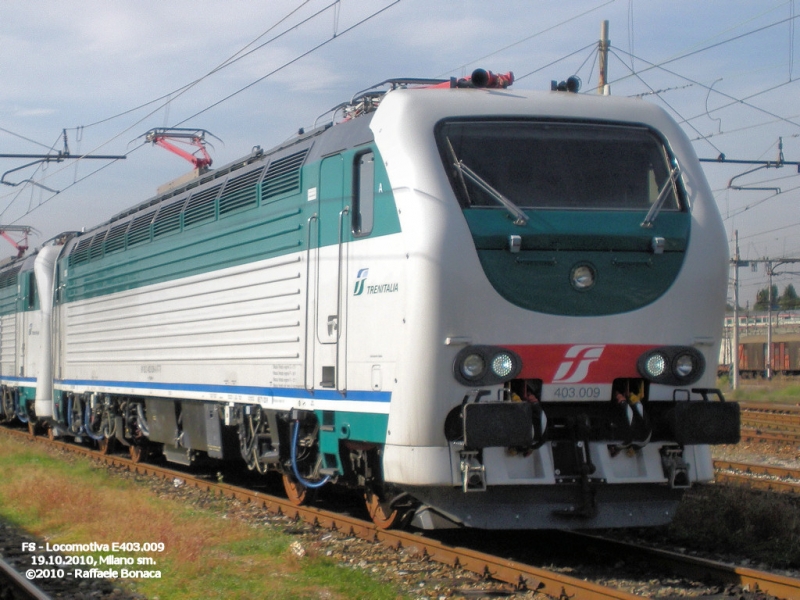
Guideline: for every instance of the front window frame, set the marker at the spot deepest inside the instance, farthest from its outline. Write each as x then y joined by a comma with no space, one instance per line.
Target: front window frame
678,202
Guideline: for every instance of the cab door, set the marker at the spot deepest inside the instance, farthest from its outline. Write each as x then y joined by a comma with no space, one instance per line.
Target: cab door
329,270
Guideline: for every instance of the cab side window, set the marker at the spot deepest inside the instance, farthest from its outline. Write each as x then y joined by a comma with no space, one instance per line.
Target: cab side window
363,194
32,291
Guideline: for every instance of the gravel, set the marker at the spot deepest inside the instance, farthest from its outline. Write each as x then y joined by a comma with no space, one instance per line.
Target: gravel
414,575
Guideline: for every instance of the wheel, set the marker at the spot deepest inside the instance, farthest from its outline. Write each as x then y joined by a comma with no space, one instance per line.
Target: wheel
106,445
296,492
380,512
138,453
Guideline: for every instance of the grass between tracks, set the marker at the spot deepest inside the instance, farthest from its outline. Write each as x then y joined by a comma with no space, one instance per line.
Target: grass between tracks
776,391
736,520
206,556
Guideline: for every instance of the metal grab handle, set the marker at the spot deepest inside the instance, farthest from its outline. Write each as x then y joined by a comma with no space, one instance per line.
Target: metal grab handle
313,217
342,213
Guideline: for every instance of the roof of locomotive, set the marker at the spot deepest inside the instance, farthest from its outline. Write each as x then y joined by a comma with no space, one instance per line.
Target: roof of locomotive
428,106
418,108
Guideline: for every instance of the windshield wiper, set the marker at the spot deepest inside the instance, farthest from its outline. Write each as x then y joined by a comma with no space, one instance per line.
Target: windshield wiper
520,218
662,196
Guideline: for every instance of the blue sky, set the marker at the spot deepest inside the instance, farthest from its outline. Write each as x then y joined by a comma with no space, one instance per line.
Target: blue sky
726,72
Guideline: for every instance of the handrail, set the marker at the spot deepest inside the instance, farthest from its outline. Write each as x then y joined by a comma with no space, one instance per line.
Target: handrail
313,217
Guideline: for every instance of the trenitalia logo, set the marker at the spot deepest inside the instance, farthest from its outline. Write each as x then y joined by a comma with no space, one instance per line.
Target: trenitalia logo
577,360
361,277
381,288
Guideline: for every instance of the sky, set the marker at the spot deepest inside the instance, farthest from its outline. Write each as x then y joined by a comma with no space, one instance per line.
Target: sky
252,72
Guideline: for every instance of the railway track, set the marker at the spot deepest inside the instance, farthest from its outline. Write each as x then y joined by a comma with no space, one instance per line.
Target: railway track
517,575
768,422
770,408
14,586
769,435
763,477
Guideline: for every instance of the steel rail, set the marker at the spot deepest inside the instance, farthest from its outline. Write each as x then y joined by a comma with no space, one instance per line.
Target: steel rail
781,421
21,588
748,474
768,435
516,574
756,469
768,407
772,417
770,485
701,568
770,425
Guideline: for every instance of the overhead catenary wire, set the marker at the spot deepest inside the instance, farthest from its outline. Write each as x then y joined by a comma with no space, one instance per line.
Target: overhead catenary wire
289,63
759,202
558,60
235,57
22,137
525,39
661,64
735,100
180,91
672,108
213,105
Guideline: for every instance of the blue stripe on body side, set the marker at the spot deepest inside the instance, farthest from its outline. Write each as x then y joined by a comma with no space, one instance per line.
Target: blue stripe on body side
10,379
294,393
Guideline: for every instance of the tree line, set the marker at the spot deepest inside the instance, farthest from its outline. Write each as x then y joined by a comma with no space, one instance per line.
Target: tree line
788,300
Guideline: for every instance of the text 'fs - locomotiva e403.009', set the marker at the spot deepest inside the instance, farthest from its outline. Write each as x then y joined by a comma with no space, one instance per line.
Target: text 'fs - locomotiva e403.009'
478,307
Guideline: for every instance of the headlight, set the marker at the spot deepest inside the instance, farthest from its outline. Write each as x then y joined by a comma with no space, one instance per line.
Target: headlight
672,365
582,277
502,364
683,366
472,366
656,365
486,365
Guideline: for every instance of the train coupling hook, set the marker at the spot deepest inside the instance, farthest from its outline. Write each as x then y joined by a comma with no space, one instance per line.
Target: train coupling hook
473,473
676,469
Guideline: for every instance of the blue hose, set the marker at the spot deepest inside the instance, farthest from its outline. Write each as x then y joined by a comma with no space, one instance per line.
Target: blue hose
22,414
69,418
297,475
86,414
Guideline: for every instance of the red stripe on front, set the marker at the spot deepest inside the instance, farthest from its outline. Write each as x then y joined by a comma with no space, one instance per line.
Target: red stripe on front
579,363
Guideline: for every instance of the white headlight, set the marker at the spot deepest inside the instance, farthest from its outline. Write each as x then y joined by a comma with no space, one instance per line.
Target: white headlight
502,365
683,366
656,365
473,366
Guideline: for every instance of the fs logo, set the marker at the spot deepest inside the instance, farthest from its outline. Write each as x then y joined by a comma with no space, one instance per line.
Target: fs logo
361,277
575,366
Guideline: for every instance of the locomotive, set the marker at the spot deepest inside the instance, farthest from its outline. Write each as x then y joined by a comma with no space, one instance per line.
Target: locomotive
477,307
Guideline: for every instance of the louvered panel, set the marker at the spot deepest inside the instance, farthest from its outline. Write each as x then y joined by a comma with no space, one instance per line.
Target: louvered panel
140,229
283,175
168,218
201,207
9,278
240,192
96,247
115,240
80,254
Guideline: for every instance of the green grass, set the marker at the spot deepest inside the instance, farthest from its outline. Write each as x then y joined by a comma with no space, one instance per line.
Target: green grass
777,391
206,556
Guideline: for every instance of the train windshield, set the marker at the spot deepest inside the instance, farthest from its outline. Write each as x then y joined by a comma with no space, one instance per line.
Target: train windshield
533,164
